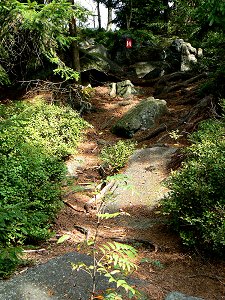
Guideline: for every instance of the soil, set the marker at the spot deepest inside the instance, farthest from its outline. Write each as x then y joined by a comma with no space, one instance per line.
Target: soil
169,265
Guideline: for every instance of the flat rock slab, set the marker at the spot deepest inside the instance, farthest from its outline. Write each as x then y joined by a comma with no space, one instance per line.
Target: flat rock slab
52,280
145,172
180,296
56,280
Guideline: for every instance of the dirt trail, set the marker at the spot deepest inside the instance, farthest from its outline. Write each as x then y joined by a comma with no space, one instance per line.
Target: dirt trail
170,267
145,172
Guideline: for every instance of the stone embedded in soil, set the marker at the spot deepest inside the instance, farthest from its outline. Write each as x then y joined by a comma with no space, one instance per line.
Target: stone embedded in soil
180,296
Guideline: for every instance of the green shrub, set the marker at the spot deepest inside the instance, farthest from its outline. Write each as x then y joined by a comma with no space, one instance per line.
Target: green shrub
57,130
103,37
9,260
139,35
213,61
33,140
4,79
116,156
215,84
196,201
107,38
29,193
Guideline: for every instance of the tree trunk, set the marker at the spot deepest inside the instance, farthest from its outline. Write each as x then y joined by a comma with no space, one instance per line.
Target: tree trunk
129,13
99,16
109,24
166,14
74,45
166,11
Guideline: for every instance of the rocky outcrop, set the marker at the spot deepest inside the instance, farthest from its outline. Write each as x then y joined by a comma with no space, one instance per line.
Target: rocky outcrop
96,66
180,56
139,62
142,116
99,62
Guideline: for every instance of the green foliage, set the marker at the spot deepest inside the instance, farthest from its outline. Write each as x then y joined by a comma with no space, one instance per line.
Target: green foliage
213,10
111,39
139,35
213,62
114,261
174,134
139,14
31,32
196,201
33,139
55,129
155,263
9,260
4,79
106,38
215,84
117,155
62,70
194,18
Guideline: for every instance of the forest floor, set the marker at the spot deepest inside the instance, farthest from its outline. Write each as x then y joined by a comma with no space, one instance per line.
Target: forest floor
169,265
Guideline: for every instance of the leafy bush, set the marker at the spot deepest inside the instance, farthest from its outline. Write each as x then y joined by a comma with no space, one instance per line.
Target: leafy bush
4,79
215,84
108,38
196,201
139,35
9,260
42,30
117,155
213,61
33,140
57,130
29,193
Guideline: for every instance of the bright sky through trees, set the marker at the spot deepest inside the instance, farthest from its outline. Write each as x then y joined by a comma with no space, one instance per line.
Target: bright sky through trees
93,21
91,5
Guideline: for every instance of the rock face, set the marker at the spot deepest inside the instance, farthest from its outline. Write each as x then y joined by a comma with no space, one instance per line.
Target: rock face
123,89
141,117
188,56
148,61
181,55
180,296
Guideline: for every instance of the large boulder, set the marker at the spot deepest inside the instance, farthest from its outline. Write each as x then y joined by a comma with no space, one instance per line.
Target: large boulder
97,68
96,65
98,49
98,61
149,69
142,116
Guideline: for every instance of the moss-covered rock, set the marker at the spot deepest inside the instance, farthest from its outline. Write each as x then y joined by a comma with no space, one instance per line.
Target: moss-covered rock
142,116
